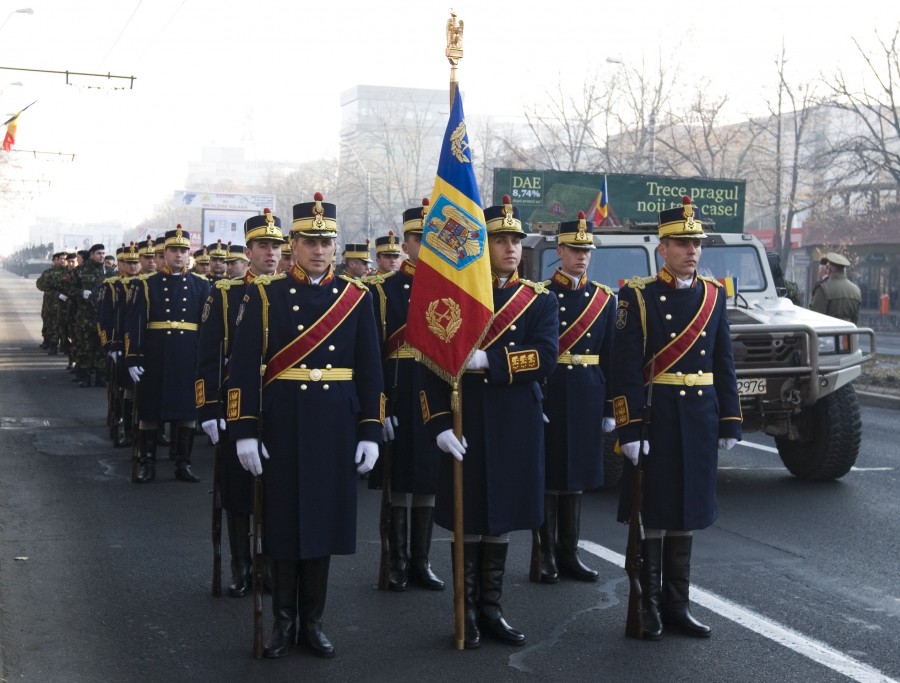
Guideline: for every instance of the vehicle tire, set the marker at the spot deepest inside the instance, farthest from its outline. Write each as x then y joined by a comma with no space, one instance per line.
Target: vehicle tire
836,428
612,462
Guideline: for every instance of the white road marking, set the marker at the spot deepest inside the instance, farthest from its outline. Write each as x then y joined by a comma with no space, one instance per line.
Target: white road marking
771,449
810,648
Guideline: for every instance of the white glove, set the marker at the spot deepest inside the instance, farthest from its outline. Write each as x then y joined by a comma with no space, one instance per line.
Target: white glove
248,453
546,419
136,373
609,424
630,450
112,355
478,361
366,455
63,297
388,430
727,444
211,427
86,294
448,443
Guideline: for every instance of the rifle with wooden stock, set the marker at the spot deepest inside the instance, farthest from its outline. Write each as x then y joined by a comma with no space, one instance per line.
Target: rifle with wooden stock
257,535
634,622
217,491
384,516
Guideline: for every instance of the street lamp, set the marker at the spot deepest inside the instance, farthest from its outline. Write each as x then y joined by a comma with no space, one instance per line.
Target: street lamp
24,10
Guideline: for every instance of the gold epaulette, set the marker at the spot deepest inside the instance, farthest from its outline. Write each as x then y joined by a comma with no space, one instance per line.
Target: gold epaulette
603,287
546,283
638,282
355,281
227,284
710,279
202,277
538,287
146,276
111,280
267,279
378,278
127,280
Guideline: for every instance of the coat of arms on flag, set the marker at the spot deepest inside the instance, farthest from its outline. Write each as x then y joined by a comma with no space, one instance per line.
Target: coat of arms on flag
456,238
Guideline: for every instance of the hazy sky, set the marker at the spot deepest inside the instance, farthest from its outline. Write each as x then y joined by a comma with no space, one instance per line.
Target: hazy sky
267,74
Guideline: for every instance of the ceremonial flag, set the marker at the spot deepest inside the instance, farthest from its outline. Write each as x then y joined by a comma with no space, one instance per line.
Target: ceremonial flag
600,208
11,124
452,303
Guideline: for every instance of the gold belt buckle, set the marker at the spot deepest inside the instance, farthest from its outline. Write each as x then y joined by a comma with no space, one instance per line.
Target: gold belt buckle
315,375
690,379
576,359
174,324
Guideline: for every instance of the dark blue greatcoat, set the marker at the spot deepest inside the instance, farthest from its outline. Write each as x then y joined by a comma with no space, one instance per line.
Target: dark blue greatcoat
686,421
310,428
216,337
168,356
503,469
415,454
576,397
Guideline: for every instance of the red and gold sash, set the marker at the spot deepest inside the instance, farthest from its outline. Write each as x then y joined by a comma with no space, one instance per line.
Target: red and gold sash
676,348
314,335
583,323
508,314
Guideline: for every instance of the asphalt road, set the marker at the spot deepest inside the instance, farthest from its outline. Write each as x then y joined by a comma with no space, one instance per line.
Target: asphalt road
102,580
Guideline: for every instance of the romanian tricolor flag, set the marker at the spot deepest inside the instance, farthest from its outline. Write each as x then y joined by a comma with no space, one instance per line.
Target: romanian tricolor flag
730,284
600,208
11,124
452,303
10,138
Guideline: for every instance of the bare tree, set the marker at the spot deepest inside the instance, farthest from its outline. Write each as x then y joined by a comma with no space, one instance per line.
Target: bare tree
874,146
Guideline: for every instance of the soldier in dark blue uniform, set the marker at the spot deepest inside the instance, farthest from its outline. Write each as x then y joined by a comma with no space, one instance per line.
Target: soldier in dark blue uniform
161,353
218,252
678,318
201,262
236,262
575,401
415,455
388,254
264,239
503,445
305,356
111,326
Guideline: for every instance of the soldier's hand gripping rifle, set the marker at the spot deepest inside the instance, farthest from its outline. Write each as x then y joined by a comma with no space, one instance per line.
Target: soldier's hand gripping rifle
257,536
384,517
217,488
634,622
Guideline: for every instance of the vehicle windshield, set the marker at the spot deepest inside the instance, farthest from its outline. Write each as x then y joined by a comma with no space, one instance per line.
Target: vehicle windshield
609,265
734,260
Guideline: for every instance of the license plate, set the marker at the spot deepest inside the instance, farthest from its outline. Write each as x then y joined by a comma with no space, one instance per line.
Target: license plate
752,386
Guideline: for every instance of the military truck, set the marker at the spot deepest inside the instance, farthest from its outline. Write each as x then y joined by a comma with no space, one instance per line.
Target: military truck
795,368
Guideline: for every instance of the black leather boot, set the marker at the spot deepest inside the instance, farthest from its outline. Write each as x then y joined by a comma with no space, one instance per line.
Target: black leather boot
147,459
675,607
471,575
239,543
84,378
651,570
549,570
567,546
184,444
284,606
313,591
493,567
398,578
421,525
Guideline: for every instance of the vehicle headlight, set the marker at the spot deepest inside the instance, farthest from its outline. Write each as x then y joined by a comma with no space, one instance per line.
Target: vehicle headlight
831,345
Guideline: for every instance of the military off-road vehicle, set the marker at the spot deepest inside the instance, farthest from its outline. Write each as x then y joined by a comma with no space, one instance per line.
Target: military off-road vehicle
795,368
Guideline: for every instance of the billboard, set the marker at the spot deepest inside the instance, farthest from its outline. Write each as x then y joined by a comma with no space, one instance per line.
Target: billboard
223,214
554,196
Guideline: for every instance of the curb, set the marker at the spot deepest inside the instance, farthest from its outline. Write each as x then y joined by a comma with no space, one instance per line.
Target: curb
873,400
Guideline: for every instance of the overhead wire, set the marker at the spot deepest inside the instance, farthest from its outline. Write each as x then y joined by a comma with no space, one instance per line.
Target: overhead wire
121,33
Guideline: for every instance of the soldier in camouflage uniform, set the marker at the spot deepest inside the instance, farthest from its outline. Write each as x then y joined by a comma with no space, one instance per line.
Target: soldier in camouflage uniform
66,313
48,284
84,288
